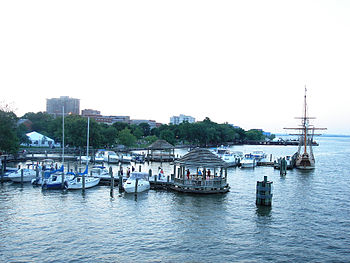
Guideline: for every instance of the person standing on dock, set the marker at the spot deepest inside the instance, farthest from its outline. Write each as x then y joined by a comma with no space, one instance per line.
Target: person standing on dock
188,174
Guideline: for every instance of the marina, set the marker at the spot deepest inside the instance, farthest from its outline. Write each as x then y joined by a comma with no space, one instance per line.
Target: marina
173,223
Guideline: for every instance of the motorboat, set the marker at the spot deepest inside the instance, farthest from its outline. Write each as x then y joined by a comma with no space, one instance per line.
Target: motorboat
126,158
142,183
100,172
111,157
227,156
258,155
99,156
28,175
248,161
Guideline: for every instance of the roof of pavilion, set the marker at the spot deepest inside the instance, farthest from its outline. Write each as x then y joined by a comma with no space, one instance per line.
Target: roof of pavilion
200,157
161,145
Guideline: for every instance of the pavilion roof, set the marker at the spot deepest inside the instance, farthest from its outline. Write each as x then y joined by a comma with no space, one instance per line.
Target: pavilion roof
200,157
161,145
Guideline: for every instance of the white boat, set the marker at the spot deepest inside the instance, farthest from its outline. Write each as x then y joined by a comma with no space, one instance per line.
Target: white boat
84,159
77,182
226,155
126,158
101,172
28,175
82,180
248,161
99,156
142,185
259,155
111,157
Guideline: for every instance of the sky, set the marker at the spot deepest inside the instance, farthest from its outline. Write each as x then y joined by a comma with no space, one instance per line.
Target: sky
242,62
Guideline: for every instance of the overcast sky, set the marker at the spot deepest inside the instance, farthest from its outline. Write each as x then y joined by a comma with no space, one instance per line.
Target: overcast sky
242,62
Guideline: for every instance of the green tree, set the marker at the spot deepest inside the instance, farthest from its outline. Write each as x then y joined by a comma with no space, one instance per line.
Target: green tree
256,135
168,135
9,141
145,128
126,138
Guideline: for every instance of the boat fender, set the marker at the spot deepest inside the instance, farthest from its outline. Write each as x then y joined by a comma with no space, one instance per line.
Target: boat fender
65,185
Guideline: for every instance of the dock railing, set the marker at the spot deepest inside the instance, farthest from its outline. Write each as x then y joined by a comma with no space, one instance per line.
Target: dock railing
216,182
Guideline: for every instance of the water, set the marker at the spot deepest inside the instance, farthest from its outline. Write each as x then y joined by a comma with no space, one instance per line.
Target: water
309,220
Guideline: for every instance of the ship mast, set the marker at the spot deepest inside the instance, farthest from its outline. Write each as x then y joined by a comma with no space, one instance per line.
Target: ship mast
305,127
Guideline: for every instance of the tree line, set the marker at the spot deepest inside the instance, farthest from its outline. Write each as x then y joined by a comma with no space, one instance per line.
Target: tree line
201,133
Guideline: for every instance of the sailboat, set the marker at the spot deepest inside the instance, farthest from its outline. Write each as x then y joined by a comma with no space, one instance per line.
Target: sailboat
81,180
305,158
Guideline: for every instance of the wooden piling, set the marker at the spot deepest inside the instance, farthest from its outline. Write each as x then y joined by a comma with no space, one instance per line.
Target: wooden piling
112,180
136,185
120,184
283,166
22,176
139,168
264,192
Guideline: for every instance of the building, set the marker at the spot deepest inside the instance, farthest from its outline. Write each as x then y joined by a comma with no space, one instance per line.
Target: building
55,106
176,120
152,124
90,113
112,119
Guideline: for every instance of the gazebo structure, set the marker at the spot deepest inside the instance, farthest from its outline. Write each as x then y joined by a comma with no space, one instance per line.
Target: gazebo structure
200,171
161,151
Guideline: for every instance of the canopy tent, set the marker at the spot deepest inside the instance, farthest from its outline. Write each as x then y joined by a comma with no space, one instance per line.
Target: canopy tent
38,139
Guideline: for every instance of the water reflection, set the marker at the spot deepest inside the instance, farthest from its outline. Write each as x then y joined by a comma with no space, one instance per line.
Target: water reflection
263,211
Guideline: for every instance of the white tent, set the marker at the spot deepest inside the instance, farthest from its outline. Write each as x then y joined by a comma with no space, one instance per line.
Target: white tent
38,139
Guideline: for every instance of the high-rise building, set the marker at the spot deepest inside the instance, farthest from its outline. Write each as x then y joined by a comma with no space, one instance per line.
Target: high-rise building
182,118
54,106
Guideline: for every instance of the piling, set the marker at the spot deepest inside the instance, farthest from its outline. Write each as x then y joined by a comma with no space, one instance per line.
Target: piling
83,183
283,166
112,180
22,177
136,184
150,173
37,174
120,183
139,168
264,192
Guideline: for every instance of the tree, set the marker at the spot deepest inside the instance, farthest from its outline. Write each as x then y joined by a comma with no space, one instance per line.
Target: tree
9,141
256,135
126,138
168,135
145,128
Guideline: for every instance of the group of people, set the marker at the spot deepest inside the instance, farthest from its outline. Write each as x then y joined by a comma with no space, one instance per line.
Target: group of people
206,174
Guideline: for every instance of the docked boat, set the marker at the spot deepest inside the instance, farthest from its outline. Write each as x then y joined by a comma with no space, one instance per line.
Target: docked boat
28,175
53,180
111,157
248,161
142,183
305,159
101,172
126,158
259,155
99,156
230,158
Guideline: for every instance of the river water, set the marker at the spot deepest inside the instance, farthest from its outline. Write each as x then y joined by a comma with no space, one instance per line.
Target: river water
309,220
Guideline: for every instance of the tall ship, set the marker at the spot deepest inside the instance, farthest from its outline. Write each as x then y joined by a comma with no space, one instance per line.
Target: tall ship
304,157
